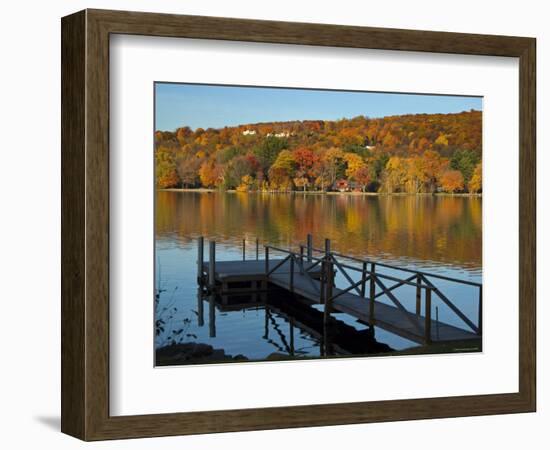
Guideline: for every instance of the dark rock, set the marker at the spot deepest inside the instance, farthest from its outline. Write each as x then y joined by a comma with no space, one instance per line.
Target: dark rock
193,353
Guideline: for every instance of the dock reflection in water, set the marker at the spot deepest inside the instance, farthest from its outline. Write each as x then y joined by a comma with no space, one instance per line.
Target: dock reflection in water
290,330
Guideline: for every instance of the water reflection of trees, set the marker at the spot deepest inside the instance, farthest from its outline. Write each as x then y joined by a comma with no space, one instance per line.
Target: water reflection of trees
445,229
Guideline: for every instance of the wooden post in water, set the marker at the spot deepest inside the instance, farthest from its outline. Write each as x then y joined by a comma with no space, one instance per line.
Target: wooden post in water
200,262
480,312
372,290
309,247
428,319
418,294
266,260
257,249
244,249
212,266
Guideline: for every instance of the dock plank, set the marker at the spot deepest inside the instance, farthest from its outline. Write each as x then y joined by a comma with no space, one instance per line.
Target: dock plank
252,269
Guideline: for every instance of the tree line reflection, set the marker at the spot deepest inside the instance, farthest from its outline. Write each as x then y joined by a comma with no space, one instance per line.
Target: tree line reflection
441,229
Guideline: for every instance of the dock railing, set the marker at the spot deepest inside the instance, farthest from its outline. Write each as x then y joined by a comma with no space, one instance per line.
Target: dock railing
378,284
327,282
419,279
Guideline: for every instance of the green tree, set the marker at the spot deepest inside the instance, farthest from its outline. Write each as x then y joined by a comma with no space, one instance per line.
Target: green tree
465,161
268,151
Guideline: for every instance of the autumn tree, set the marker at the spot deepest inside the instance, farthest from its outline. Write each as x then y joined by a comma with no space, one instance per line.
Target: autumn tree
188,171
452,181
166,174
363,177
432,165
354,162
305,160
282,170
333,158
211,174
246,184
301,182
475,185
395,175
236,169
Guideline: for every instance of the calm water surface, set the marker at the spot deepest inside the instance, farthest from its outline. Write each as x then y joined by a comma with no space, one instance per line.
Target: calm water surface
435,234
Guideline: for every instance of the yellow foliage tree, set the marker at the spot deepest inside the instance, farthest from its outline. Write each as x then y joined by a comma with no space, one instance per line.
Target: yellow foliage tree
475,184
247,182
354,163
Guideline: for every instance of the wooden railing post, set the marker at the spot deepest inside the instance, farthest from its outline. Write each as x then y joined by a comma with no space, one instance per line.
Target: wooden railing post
418,294
364,279
428,319
372,290
200,261
328,272
328,295
212,266
309,247
480,312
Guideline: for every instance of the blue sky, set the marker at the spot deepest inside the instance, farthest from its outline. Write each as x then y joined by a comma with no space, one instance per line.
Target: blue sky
213,106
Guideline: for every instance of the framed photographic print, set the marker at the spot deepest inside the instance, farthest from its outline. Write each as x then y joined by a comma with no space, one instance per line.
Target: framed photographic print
270,224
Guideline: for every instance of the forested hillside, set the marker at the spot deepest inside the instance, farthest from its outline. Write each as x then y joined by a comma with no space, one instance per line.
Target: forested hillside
419,153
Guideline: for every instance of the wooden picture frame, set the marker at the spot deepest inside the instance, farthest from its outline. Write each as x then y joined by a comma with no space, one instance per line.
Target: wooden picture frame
85,224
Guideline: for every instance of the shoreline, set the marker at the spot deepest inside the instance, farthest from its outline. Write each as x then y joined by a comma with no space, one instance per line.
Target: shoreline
371,194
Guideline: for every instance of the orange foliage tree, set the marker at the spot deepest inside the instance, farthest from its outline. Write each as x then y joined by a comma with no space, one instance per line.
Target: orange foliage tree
211,174
452,181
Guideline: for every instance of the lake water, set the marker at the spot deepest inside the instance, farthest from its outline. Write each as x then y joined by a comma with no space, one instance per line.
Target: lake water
439,234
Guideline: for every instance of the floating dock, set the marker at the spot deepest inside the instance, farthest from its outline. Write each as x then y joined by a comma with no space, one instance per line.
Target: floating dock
310,275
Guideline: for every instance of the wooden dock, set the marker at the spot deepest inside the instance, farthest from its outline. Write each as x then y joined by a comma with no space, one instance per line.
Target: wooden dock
311,279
